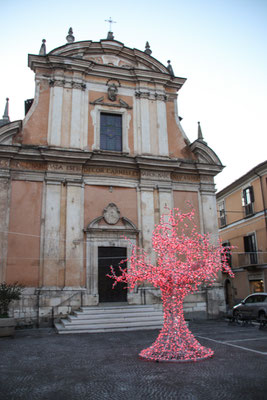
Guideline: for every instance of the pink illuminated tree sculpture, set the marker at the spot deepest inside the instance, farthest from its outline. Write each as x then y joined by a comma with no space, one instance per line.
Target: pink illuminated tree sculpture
185,260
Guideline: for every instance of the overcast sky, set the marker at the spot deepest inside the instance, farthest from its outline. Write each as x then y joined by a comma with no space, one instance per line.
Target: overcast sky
218,45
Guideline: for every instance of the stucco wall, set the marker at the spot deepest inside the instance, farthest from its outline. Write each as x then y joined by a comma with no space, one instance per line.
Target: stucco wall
25,219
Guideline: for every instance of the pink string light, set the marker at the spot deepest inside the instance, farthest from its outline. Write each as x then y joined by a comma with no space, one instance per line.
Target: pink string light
185,260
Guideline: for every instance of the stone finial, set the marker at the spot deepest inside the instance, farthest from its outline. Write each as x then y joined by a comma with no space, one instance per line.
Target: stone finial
5,119
6,109
169,67
110,36
199,134
147,50
70,38
42,51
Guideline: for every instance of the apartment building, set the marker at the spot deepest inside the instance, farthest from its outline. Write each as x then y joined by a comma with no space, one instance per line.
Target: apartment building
242,219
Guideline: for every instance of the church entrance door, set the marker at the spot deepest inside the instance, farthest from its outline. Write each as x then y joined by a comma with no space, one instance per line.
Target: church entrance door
111,256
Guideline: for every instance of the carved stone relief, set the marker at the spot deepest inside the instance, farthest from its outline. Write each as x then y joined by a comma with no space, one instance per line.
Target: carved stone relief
111,214
112,92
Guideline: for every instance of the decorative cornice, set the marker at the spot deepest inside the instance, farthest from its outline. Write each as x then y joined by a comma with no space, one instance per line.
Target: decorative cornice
142,95
67,84
159,96
150,96
172,96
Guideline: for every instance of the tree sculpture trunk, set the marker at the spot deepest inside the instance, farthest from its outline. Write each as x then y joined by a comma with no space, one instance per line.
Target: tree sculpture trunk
175,341
185,260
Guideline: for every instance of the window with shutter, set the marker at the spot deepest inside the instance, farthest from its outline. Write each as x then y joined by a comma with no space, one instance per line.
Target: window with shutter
222,215
248,200
250,248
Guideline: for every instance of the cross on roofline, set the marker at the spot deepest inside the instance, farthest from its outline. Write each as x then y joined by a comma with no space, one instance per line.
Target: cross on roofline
110,22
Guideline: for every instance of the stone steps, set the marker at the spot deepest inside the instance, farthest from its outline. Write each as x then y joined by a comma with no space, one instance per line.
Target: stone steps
111,319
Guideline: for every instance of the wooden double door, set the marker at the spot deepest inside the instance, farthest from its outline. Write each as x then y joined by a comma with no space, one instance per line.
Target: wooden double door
111,256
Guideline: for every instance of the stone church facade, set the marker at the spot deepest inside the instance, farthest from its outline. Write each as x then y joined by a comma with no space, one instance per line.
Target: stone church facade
100,154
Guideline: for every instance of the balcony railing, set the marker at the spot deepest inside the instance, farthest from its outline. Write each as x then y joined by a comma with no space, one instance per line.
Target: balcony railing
248,209
253,258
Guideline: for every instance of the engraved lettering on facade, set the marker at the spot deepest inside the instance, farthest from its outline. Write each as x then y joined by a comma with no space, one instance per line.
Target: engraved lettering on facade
111,171
185,178
31,165
64,167
155,175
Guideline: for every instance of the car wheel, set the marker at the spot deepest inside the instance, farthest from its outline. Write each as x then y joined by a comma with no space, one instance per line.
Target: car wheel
262,319
238,318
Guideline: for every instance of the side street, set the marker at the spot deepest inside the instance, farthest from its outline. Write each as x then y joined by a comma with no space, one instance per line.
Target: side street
39,364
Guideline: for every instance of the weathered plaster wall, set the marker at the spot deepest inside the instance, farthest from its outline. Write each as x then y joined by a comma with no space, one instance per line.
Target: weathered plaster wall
184,200
96,198
25,219
36,122
177,145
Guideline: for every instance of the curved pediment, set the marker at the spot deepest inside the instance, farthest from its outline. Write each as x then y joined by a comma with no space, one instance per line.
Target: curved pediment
111,220
109,52
8,131
204,153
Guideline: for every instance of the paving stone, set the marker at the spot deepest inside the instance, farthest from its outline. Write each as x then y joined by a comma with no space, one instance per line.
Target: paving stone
39,364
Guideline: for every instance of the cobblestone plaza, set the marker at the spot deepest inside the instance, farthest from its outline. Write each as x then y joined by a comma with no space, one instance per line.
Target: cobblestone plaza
39,364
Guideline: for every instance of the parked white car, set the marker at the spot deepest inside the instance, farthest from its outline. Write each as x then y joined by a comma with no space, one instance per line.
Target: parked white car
253,307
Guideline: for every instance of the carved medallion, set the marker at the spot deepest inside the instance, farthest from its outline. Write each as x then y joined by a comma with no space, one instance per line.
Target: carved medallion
111,214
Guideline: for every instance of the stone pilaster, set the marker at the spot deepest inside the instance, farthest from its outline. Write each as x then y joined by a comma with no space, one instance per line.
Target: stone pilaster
55,115
209,210
4,222
147,218
162,128
145,126
74,235
51,245
79,119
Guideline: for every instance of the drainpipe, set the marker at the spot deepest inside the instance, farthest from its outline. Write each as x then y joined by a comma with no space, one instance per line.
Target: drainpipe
38,308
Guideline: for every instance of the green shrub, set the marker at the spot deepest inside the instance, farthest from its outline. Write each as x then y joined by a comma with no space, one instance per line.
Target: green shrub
8,292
